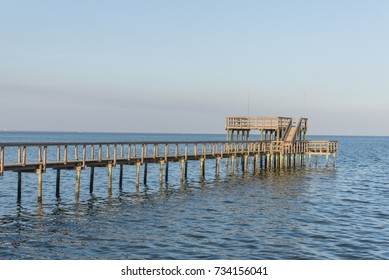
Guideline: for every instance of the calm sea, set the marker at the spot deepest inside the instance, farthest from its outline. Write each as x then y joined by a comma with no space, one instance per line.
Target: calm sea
304,213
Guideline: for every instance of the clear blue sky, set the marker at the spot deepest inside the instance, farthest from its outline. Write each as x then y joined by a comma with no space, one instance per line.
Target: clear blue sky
181,66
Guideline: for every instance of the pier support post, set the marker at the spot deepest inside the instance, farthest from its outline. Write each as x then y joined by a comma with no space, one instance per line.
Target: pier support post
19,186
160,172
327,155
92,175
137,174
78,180
145,174
109,178
217,166
167,171
261,160
333,160
58,183
202,168
39,171
232,165
255,163
245,161
317,160
120,176
309,160
186,169
182,169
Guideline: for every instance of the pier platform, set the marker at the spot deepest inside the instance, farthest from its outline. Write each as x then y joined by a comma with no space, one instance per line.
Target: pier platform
282,144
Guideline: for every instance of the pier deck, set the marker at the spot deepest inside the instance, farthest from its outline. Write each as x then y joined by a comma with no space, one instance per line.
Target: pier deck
282,144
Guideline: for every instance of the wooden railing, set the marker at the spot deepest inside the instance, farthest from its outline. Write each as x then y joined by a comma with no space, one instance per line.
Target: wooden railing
30,156
262,123
322,147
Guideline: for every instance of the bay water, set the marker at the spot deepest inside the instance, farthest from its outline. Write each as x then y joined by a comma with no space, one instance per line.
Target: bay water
307,212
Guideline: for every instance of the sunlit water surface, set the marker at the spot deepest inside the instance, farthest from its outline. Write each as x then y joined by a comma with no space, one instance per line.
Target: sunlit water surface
304,213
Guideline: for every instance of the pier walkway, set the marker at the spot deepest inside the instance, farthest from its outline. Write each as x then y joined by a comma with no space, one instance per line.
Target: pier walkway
282,144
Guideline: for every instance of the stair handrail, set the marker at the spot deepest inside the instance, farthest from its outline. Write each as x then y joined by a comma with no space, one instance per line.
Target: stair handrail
287,130
298,126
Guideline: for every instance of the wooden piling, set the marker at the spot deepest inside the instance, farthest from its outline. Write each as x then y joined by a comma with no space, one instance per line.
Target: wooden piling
145,174
109,166
78,180
167,171
245,163
58,183
19,186
217,166
120,176
232,165
202,168
91,178
138,164
160,172
39,172
182,169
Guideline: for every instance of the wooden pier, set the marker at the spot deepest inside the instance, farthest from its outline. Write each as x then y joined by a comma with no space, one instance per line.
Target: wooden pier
282,145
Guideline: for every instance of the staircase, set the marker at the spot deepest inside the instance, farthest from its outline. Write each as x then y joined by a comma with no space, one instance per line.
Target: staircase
293,130
291,134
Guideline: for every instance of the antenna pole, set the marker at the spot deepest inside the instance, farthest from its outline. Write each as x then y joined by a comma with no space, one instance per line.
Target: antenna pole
305,103
248,105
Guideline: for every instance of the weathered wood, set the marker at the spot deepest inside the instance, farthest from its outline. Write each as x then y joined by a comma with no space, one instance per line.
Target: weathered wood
167,171
270,151
19,186
202,168
186,169
145,174
120,176
182,169
58,183
109,166
39,173
78,180
138,164
161,172
217,166
91,179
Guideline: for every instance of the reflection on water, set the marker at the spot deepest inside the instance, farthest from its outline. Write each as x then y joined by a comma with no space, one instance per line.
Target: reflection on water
309,213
